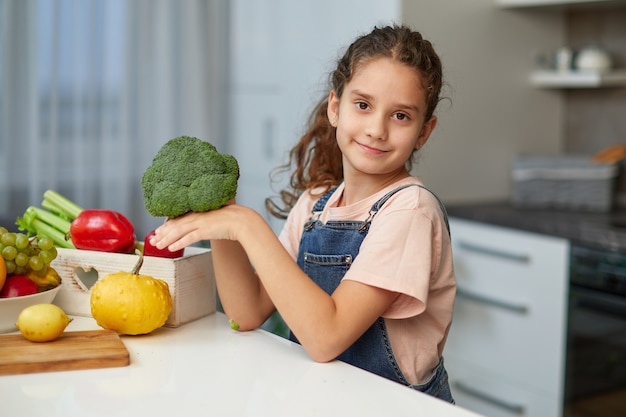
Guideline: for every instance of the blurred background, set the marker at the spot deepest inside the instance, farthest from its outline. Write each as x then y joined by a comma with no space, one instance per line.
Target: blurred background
91,89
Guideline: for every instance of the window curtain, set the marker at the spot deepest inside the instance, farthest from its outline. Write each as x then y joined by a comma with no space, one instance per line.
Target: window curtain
91,89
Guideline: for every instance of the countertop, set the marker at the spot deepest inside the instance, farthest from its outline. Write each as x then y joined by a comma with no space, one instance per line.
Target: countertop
205,368
603,230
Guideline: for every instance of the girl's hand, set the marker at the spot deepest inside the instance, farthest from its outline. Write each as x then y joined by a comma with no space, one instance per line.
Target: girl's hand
190,228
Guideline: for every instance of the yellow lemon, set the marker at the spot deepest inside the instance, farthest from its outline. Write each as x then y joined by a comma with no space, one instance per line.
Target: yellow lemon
130,303
42,322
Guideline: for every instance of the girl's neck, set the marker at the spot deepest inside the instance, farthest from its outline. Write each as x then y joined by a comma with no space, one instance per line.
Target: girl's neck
357,188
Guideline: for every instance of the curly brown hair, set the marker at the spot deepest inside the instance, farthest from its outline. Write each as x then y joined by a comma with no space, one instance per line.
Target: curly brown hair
316,157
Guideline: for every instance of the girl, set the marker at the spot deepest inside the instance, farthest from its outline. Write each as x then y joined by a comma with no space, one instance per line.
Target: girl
362,270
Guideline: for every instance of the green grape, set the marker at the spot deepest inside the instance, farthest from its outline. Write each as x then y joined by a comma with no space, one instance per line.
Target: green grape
9,252
35,263
3,230
21,241
47,256
28,251
21,270
21,259
45,243
10,266
42,272
8,239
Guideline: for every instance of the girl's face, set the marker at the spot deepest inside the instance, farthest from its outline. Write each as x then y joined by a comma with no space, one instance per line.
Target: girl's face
380,118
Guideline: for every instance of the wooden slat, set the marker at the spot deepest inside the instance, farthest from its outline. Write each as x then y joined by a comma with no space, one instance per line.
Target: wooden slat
71,351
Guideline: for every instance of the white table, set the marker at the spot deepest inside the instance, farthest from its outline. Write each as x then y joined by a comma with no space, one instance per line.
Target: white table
204,368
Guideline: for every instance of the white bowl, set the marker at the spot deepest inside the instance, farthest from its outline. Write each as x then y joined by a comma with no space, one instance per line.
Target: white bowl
10,308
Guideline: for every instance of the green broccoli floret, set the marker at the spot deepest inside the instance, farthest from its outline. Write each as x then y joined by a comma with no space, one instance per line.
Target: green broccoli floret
188,174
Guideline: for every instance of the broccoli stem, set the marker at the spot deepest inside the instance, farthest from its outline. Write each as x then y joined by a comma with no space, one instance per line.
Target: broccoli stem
41,222
60,205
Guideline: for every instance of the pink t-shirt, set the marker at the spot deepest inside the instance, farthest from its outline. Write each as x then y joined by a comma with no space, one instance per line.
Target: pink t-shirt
407,250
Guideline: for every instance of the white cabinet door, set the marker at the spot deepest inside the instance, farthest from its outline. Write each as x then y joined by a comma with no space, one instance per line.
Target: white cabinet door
256,123
255,39
510,314
482,391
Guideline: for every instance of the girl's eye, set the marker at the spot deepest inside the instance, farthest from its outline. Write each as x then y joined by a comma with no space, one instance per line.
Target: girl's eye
361,105
401,116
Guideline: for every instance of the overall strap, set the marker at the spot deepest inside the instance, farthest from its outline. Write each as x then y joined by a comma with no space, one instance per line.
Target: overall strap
318,207
321,203
377,205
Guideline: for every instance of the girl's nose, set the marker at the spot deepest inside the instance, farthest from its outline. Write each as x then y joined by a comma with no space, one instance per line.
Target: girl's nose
376,127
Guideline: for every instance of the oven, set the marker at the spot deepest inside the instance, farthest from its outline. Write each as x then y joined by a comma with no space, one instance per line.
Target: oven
595,371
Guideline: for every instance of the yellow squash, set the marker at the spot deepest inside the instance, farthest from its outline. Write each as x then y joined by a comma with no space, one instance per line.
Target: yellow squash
130,303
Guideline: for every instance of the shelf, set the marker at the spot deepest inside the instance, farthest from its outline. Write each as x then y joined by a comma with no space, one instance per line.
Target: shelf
578,79
552,3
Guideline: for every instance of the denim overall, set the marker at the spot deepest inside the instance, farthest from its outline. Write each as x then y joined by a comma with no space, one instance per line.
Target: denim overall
326,253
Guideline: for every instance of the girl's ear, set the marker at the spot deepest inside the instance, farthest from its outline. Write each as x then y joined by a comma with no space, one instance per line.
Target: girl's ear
333,108
427,129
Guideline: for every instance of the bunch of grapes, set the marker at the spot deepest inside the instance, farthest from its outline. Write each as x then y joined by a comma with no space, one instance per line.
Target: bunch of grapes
23,254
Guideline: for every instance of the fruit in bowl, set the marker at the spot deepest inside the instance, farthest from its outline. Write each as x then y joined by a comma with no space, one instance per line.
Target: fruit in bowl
18,291
18,286
26,277
10,308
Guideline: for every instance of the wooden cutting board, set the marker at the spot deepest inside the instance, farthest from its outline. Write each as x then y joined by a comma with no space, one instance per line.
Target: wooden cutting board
71,351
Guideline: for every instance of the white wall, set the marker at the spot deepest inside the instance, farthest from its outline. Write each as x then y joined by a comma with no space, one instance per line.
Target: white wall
494,113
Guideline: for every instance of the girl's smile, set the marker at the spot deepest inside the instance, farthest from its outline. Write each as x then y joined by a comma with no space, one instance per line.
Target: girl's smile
370,149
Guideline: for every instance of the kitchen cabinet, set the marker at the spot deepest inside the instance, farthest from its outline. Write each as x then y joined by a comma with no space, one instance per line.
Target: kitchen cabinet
506,348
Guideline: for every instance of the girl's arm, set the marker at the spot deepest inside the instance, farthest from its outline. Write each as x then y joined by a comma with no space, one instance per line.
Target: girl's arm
241,293
325,325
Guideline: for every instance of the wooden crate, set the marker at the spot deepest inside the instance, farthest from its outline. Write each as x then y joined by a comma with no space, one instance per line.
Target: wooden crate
190,278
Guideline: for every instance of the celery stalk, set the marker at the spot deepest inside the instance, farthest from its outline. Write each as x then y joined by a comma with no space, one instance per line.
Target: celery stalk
60,205
54,219
51,219
54,234
41,222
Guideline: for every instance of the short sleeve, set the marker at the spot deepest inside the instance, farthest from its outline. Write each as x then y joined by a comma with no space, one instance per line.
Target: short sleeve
292,229
402,252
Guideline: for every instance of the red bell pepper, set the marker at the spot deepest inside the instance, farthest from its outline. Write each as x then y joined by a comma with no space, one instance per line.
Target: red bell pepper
150,250
103,230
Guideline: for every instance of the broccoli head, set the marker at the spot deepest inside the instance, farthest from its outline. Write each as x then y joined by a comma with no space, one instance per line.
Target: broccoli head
188,174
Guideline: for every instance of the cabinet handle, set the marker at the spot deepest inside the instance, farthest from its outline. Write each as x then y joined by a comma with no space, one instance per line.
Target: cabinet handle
514,408
498,253
518,308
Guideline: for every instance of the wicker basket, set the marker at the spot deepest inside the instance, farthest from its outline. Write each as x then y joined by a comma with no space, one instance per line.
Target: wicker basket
569,182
